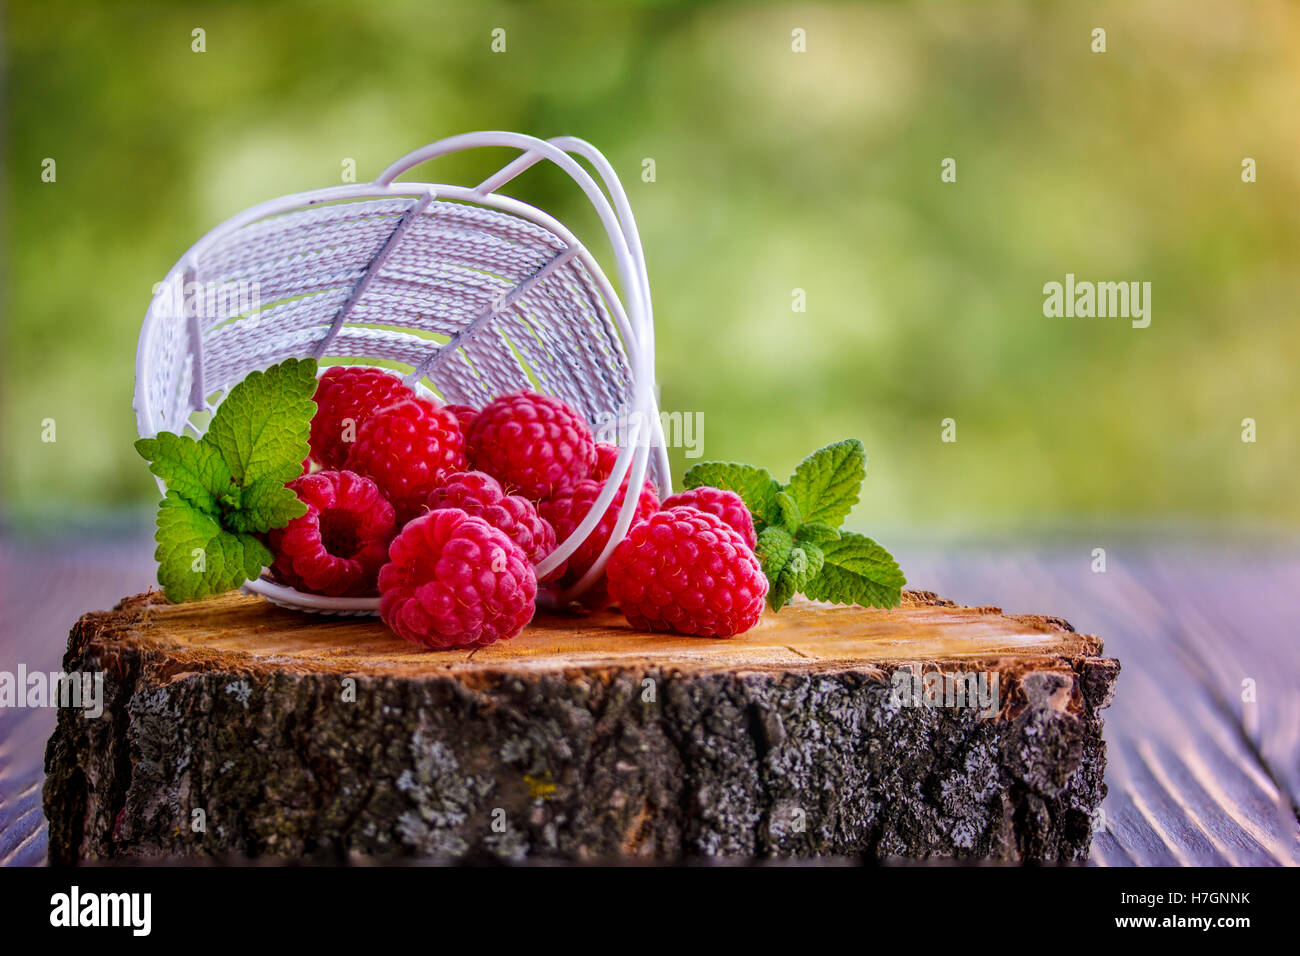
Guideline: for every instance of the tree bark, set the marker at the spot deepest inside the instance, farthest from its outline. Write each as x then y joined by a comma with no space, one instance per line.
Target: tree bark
233,729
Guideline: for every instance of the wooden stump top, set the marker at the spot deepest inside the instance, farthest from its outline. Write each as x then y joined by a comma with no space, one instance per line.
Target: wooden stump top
245,632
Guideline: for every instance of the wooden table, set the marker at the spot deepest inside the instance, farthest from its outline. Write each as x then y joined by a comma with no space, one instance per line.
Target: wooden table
1197,775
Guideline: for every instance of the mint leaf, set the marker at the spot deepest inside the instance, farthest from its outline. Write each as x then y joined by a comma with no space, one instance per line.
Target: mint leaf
773,549
806,562
816,532
839,586
780,590
773,553
787,566
192,469
267,504
262,425
790,518
857,571
858,553
196,557
803,567
825,485
756,487
230,485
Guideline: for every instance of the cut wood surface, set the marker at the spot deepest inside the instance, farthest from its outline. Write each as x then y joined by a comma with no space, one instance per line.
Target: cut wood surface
241,631
582,738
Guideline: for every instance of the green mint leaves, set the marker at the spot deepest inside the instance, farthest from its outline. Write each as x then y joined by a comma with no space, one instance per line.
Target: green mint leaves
800,544
825,485
857,571
227,487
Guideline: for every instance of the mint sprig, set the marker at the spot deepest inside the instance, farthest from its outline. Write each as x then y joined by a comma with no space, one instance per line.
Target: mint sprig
800,544
227,487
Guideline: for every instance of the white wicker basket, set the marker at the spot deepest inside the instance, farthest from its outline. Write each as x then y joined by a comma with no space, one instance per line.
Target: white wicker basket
471,292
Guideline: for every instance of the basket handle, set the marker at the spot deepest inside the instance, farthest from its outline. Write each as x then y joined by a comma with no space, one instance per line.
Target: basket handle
617,218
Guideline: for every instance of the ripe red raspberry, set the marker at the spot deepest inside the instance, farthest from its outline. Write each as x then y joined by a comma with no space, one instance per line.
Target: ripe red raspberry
465,414
453,580
533,443
606,456
687,571
345,397
338,546
408,449
478,493
567,509
727,505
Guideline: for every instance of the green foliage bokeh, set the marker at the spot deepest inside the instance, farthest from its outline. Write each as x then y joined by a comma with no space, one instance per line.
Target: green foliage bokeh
775,170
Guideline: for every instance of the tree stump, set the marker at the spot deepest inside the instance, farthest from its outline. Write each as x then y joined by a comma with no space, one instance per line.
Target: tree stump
234,729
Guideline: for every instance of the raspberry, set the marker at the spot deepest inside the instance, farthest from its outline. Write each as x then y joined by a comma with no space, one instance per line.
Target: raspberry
479,494
453,580
533,443
465,414
567,509
408,449
687,571
338,546
345,397
606,456
727,505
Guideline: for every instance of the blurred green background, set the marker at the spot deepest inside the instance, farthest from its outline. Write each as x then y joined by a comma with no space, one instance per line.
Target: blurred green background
775,170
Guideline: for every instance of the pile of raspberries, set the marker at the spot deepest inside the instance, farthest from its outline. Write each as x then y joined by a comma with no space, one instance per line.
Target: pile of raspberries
445,511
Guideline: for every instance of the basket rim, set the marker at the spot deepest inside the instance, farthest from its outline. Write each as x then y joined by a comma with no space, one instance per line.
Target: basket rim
285,596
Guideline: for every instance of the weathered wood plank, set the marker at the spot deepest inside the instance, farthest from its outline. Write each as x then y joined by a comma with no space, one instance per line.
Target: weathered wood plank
1257,641
43,590
1191,782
